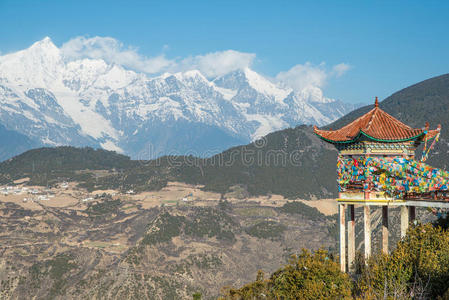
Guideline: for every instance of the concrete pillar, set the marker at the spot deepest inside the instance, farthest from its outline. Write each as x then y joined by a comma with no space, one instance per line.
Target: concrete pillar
341,209
351,237
385,231
404,220
367,230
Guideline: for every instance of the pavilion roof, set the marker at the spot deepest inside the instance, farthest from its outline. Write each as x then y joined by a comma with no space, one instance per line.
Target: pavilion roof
376,125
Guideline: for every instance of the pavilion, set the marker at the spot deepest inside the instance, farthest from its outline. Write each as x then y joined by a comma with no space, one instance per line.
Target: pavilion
377,167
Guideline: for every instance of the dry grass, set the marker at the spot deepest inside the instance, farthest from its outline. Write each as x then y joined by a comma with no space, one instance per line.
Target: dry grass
174,193
327,207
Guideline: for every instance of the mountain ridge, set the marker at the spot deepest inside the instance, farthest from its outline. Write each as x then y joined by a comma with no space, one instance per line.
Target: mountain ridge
88,102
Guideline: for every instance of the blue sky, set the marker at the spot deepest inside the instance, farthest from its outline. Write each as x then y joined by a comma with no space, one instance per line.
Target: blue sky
387,44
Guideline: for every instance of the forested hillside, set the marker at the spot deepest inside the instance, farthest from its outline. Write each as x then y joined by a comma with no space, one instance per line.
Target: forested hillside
293,163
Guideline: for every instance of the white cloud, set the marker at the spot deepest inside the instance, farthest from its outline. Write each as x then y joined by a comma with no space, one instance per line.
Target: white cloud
113,51
217,63
301,76
340,69
306,75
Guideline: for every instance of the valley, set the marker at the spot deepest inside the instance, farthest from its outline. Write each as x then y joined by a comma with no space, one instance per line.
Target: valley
167,244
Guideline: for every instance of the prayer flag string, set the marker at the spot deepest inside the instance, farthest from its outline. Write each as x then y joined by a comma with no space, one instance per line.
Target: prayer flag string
394,175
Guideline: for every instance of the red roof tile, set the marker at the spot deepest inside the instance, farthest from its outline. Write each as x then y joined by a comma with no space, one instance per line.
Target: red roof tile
377,125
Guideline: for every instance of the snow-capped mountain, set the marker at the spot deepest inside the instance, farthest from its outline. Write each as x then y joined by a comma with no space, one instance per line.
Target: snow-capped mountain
88,102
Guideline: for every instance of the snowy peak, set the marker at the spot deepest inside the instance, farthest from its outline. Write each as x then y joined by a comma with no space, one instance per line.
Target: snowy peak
249,79
191,74
38,65
232,81
192,78
45,45
80,75
264,86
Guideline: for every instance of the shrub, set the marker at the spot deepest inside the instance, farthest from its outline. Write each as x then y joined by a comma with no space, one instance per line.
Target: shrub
297,207
211,222
163,229
417,268
267,230
103,208
307,276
